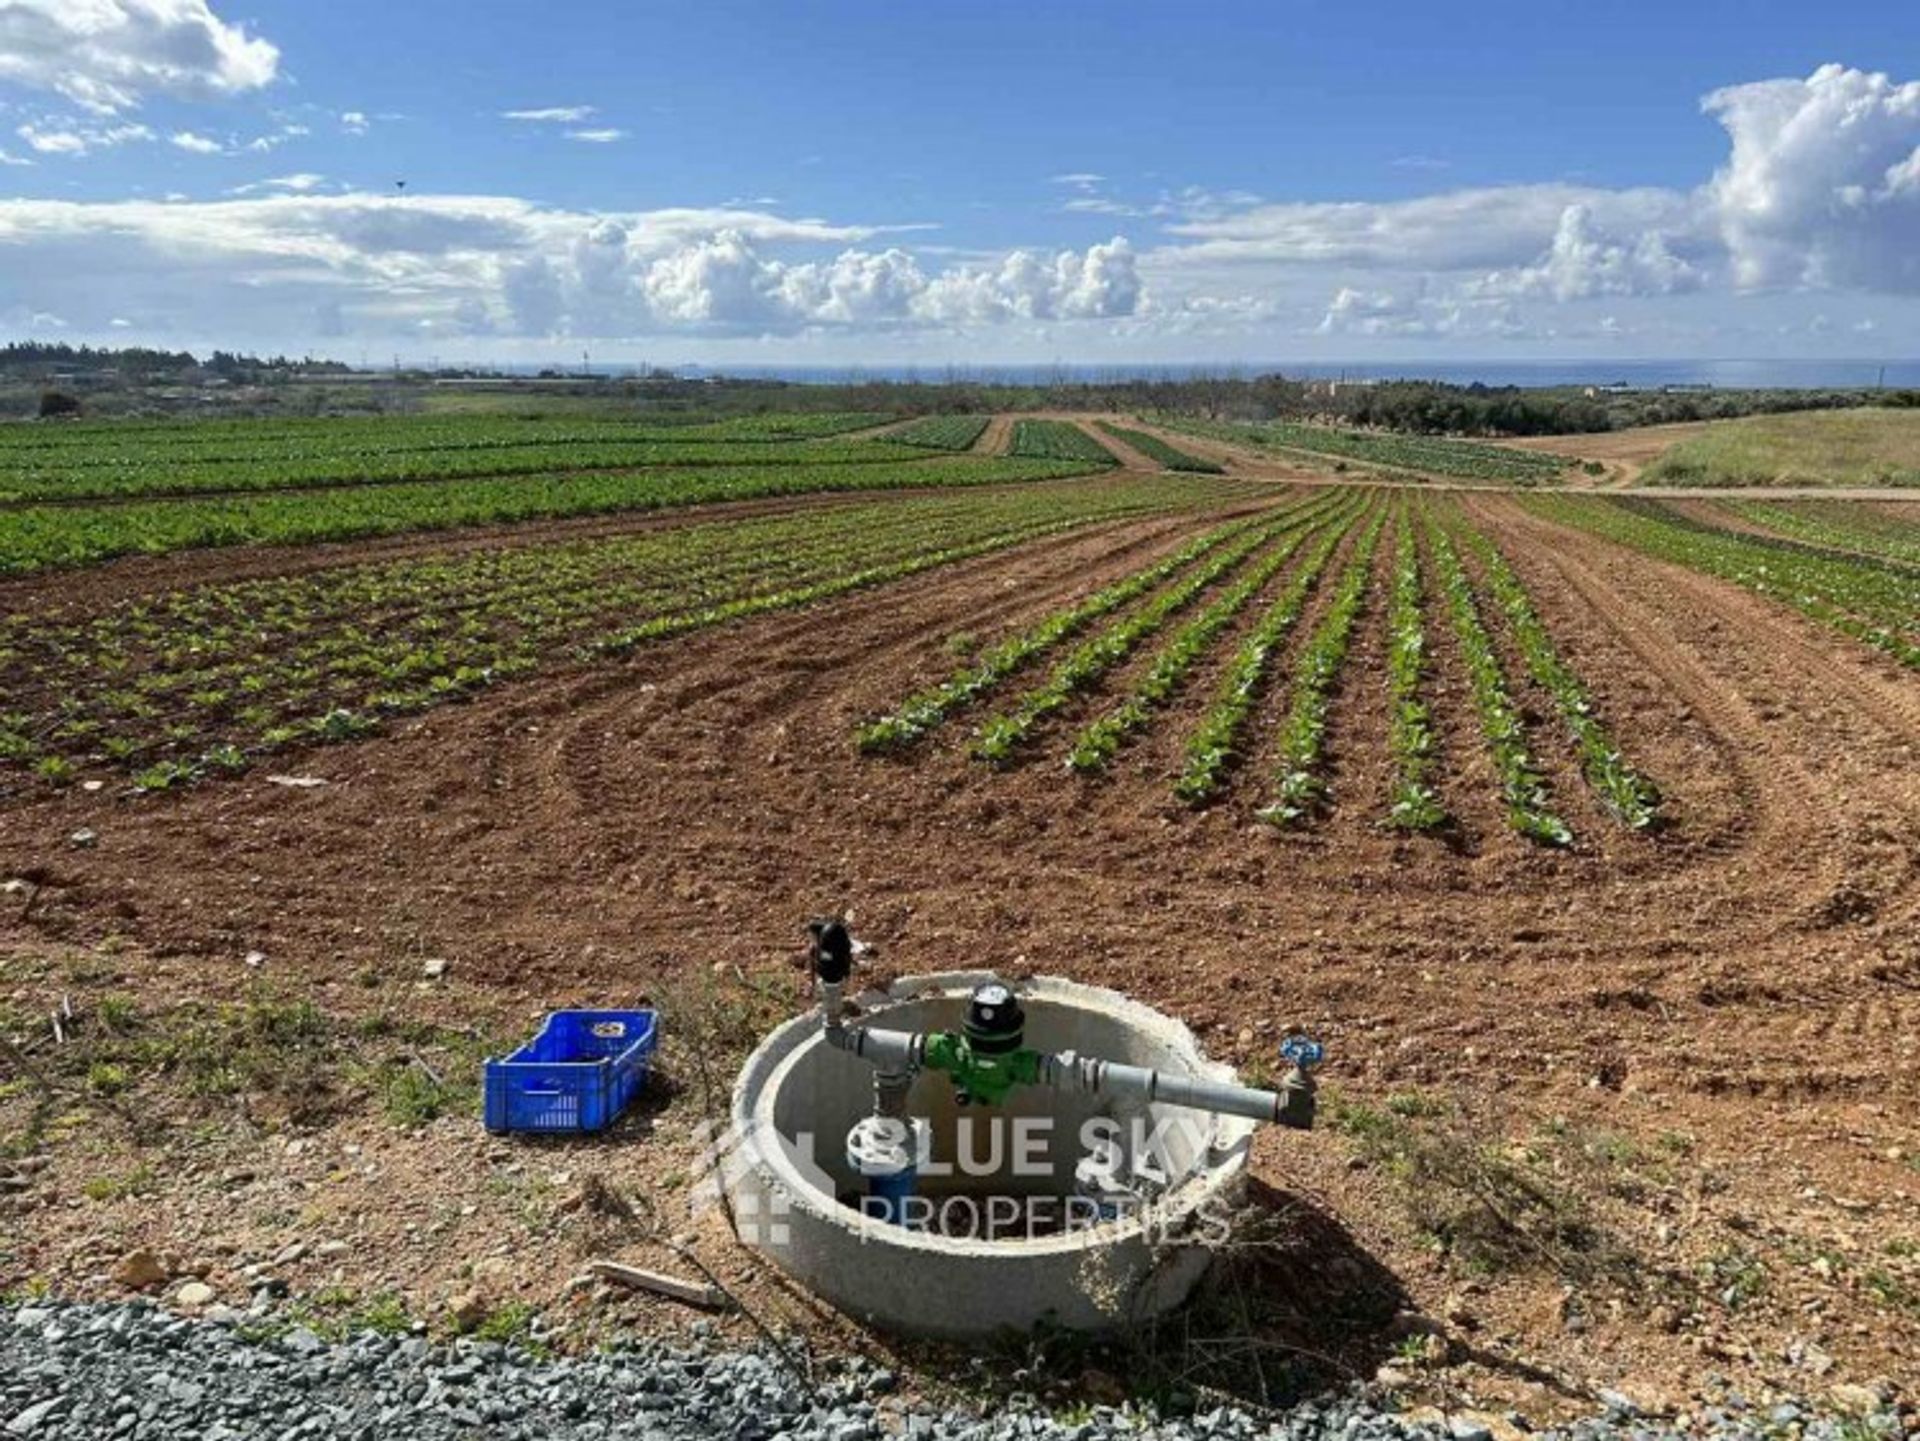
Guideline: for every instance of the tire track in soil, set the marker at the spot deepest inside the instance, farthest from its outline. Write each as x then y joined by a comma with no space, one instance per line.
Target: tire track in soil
1745,664
755,717
1784,825
964,783
1799,829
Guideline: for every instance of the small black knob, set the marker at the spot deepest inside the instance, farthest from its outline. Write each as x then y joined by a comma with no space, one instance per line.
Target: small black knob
832,950
995,1024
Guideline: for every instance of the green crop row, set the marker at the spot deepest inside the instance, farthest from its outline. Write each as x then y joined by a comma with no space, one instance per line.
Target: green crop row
154,479
45,537
1412,804
1430,455
1857,526
1213,748
1631,797
919,714
1303,735
122,442
1876,602
123,446
1002,736
839,583
1101,741
1058,440
1528,809
389,619
1156,448
173,686
942,432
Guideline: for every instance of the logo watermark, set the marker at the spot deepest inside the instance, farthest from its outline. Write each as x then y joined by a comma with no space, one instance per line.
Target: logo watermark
992,1176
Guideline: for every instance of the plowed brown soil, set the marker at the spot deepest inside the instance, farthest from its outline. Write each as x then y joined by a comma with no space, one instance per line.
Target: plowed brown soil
1748,980
995,439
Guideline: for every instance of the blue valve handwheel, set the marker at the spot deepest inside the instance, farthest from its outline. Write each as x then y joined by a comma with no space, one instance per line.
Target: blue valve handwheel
1302,1051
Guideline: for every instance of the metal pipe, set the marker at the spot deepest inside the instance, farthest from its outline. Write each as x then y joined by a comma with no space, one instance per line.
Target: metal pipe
1069,1072
883,1049
903,1052
832,1003
890,1090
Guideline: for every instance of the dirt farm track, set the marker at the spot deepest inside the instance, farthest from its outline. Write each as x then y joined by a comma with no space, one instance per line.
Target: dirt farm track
1748,977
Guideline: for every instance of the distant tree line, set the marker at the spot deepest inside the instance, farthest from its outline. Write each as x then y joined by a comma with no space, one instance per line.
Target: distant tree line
136,380
32,358
42,360
1431,409
1419,407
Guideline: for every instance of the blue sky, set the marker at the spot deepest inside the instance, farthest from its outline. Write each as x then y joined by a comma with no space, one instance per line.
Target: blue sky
877,183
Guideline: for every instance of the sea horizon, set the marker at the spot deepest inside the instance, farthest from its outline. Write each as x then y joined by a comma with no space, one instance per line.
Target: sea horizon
1718,374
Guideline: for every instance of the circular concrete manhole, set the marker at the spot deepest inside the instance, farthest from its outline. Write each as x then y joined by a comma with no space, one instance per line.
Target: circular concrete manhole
1056,1206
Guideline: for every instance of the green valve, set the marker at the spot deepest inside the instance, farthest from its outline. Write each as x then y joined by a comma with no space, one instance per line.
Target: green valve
986,1060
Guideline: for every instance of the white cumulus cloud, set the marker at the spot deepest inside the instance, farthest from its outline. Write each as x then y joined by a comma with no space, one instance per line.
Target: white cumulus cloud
726,282
1584,261
276,261
1100,282
1820,191
1384,313
108,55
1369,312
1823,184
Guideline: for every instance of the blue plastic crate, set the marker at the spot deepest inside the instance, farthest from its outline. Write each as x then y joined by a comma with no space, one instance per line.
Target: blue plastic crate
578,1074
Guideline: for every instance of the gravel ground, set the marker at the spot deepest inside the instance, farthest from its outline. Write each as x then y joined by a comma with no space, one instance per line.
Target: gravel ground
135,1370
